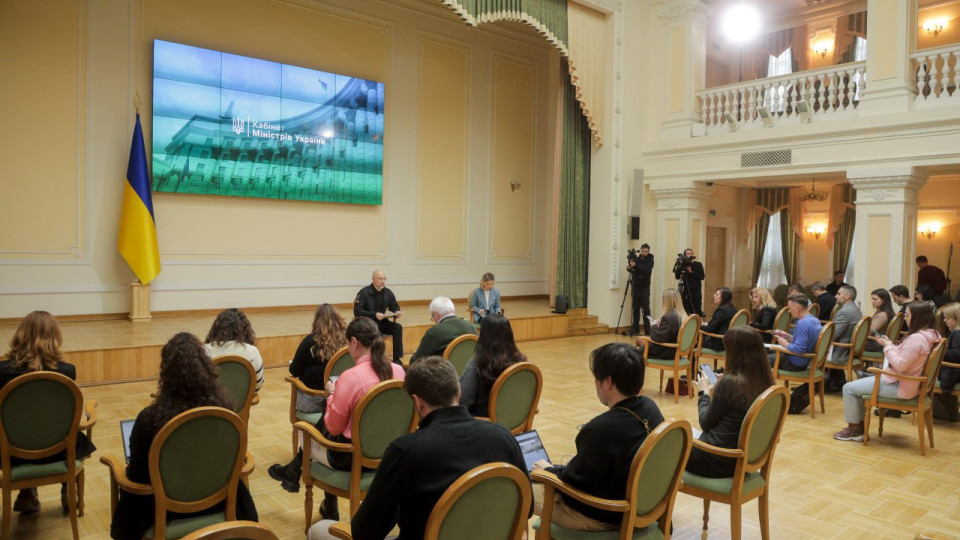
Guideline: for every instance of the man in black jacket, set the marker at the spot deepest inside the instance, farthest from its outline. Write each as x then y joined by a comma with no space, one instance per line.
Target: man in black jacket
690,274
417,468
377,302
825,300
640,269
607,444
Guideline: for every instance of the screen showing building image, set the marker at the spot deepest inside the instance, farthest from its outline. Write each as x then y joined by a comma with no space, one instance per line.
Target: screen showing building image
232,125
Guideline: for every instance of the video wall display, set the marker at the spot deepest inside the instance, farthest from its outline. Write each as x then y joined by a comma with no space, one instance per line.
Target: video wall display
232,125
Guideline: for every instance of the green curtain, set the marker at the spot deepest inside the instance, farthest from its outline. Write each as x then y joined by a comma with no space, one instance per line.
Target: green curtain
574,212
759,243
843,240
791,248
547,16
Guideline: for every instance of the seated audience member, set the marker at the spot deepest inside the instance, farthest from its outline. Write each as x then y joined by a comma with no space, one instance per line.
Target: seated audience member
723,406
795,288
417,468
447,327
924,294
35,346
720,321
188,379
372,367
486,299
607,444
378,303
667,329
309,365
844,322
804,337
825,300
901,295
907,358
765,307
882,315
232,334
495,352
949,376
834,286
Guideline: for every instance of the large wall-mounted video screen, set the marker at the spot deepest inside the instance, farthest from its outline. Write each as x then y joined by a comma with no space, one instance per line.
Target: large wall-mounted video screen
232,125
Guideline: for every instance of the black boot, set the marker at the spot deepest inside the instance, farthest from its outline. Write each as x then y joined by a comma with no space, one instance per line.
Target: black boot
288,475
328,508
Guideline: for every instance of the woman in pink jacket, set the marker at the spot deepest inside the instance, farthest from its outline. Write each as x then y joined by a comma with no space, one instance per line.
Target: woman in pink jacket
907,358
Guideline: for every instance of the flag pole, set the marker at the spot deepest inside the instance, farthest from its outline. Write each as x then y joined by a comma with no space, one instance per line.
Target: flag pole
139,292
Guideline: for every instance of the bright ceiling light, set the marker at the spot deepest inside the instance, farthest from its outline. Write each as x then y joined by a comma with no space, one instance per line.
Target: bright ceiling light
741,23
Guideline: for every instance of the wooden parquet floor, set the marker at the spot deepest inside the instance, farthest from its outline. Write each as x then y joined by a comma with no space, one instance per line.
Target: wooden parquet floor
821,488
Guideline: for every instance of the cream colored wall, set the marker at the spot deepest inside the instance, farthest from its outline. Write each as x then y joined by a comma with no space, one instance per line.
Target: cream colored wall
467,112
950,11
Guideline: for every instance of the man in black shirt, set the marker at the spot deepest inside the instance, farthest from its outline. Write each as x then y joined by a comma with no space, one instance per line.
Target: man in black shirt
607,444
417,468
825,300
377,302
640,269
834,286
690,274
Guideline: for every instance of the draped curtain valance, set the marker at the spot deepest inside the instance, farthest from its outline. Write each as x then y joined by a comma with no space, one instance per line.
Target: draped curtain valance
849,27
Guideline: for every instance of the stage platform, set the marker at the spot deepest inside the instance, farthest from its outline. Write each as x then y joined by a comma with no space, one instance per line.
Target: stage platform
118,350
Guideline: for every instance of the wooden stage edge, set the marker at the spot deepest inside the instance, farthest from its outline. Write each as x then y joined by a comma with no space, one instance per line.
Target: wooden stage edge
130,363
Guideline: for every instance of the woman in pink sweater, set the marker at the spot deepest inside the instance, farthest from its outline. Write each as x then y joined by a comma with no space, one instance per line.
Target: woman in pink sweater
907,358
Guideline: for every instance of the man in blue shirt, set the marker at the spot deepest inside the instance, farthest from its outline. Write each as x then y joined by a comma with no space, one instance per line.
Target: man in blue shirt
804,337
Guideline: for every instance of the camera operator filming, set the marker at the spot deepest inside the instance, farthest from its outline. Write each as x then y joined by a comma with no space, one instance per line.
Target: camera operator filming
640,267
689,274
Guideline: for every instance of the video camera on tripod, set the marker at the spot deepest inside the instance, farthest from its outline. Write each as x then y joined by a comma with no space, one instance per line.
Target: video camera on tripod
680,271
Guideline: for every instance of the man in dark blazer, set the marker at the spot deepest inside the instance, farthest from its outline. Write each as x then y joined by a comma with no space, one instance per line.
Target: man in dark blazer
417,468
447,327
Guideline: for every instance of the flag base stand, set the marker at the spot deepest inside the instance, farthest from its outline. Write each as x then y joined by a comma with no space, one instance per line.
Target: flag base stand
140,302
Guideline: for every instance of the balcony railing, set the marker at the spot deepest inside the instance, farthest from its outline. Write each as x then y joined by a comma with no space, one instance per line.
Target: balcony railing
815,92
938,73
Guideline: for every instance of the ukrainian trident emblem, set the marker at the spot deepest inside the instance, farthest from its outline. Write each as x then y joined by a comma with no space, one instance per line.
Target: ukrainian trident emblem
238,125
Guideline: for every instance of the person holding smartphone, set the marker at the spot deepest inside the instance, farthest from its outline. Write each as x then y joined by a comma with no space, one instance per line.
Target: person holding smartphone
723,405
666,329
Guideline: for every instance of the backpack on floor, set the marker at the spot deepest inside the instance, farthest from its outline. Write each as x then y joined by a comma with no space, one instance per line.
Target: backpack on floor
799,399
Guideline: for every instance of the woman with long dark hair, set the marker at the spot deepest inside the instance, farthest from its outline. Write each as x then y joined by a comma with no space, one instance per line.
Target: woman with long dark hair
882,315
232,334
495,352
371,368
720,321
907,358
724,405
35,346
188,379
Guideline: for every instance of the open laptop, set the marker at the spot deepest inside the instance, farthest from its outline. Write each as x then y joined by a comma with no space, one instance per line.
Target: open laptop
532,448
126,428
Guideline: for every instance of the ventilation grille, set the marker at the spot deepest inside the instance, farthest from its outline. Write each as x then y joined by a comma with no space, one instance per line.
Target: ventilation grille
766,159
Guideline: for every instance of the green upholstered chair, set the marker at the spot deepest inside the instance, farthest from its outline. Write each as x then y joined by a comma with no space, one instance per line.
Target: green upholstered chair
681,361
833,312
922,404
936,387
40,415
195,463
893,334
384,414
239,379
460,351
854,349
740,318
759,435
814,372
233,530
338,363
781,322
514,397
651,490
815,309
489,502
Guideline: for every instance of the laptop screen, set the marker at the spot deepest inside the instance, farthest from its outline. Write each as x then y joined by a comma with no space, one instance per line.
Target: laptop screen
126,427
532,448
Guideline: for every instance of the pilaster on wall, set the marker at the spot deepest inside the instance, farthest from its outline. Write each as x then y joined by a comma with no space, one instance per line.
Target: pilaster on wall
685,30
885,236
890,80
681,224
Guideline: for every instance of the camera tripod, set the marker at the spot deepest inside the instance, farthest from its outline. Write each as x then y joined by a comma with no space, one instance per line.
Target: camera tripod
626,291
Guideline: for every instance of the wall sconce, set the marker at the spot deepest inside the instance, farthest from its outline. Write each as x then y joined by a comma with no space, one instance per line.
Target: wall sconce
929,230
935,26
822,49
816,230
514,185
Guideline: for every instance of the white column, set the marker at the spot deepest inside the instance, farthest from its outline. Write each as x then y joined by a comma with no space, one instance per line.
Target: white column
891,31
681,224
683,72
886,228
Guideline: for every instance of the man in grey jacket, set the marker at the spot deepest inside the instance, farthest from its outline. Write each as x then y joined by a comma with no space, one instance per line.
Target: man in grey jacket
844,322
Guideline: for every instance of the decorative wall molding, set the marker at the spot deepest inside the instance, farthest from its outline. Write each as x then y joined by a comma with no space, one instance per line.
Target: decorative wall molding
887,189
674,11
680,198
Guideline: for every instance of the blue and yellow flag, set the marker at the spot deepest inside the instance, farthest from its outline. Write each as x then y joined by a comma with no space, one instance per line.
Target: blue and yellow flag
137,240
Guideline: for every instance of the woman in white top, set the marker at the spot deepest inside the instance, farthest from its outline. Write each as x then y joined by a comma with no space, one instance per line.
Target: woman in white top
232,334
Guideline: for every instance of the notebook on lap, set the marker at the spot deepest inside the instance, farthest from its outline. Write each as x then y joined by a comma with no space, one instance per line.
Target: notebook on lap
532,448
126,428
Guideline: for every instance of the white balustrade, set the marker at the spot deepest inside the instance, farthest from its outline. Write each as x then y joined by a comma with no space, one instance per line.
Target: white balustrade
938,73
827,90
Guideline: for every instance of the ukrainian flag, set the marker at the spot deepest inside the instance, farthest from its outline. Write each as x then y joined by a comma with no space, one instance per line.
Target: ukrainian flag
137,240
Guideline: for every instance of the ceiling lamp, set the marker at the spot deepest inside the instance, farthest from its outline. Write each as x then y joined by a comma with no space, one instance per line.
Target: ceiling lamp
813,195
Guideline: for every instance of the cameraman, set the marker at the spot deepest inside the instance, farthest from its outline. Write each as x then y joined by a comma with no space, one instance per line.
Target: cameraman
690,273
640,269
